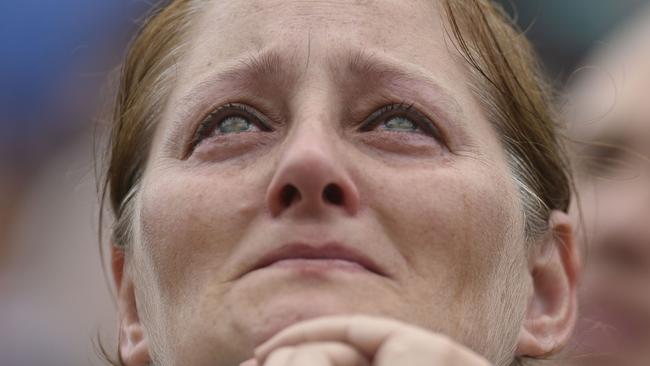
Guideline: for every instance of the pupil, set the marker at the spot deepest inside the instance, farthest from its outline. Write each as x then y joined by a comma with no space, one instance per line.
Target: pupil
400,123
234,124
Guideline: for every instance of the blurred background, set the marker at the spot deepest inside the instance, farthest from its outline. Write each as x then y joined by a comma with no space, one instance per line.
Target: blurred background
56,59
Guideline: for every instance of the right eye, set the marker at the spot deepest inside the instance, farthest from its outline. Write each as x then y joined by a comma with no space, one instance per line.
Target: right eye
235,124
608,161
229,119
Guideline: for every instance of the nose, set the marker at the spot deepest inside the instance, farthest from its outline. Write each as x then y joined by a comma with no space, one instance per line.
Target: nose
309,181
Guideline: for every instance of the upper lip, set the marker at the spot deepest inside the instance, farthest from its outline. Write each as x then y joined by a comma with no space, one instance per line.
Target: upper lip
331,250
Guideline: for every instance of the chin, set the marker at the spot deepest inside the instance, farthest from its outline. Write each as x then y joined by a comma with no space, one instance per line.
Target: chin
281,311
264,303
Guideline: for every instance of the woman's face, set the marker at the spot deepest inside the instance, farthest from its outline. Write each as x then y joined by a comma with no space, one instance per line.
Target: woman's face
615,196
315,130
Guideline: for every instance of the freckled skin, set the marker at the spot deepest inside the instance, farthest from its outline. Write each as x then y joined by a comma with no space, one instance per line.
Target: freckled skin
444,220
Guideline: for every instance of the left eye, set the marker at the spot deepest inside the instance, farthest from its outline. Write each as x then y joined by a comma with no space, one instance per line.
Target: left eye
400,123
235,124
401,118
229,120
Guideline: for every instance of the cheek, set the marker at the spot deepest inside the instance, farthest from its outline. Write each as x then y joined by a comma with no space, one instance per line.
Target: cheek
189,224
454,227
464,216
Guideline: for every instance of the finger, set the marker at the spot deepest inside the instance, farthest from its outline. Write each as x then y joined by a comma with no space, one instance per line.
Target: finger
417,349
370,335
327,354
364,333
279,357
251,362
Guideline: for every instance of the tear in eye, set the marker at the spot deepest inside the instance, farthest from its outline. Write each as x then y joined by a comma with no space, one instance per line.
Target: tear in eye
235,124
401,118
400,123
229,119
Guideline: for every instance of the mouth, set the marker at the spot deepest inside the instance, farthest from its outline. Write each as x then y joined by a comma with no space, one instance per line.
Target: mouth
318,258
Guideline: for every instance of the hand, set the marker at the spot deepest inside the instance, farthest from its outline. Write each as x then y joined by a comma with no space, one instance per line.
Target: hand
361,341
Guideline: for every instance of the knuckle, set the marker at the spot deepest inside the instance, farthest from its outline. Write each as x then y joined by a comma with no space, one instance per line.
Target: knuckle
448,349
446,344
280,355
397,346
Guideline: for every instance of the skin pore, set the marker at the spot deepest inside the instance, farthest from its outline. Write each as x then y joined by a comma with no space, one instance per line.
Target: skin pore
331,123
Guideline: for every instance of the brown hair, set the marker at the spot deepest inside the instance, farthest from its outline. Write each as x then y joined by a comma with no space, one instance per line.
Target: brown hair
506,80
512,90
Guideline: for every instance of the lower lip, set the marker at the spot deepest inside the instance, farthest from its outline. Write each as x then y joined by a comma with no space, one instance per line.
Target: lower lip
318,265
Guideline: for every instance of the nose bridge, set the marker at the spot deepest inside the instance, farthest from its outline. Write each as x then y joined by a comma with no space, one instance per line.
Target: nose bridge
310,177
313,131
625,213
311,136
637,191
644,199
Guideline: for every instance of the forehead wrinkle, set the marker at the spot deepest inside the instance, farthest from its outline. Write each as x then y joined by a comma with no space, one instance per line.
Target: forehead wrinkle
278,71
381,70
247,72
370,73
246,75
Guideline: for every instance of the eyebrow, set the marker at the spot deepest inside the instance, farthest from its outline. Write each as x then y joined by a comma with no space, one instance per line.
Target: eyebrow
386,71
243,73
282,71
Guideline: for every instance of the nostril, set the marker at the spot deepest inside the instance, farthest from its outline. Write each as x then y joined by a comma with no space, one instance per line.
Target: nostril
289,194
333,194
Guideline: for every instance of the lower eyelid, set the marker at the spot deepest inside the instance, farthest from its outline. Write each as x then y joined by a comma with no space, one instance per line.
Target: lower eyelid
220,148
406,145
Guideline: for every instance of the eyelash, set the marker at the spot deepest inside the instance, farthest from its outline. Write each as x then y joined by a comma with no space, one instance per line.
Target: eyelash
383,114
219,115
406,110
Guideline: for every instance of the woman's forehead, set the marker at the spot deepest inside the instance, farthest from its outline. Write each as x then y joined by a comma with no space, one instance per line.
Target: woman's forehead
281,41
226,29
345,10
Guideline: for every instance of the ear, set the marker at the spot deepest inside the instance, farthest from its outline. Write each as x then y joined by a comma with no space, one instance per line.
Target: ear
132,339
554,266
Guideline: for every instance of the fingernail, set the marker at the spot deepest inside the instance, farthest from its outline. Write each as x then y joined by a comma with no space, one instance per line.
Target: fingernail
251,362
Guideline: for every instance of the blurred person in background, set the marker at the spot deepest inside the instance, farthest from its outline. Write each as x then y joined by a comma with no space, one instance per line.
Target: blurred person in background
609,117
